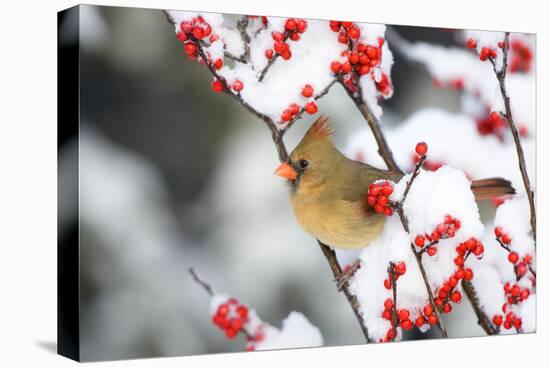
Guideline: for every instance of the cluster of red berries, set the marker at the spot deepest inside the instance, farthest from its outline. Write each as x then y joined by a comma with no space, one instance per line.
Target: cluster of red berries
427,316
292,110
446,229
217,85
521,265
492,123
378,197
522,56
402,318
293,29
231,316
448,293
509,320
398,269
486,52
195,30
360,57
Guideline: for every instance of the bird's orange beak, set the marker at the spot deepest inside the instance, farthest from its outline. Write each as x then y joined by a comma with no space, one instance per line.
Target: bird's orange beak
286,170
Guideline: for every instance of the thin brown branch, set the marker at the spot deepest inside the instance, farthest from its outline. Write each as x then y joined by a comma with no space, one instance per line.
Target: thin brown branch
207,287
482,318
507,248
383,148
439,323
393,280
330,255
241,26
501,77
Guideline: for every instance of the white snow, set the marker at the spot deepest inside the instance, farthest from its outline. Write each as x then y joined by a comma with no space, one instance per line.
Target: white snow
296,332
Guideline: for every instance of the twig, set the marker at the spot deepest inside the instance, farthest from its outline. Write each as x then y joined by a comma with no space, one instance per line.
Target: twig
383,148
501,77
418,258
330,255
207,287
418,255
393,280
482,318
241,26
507,248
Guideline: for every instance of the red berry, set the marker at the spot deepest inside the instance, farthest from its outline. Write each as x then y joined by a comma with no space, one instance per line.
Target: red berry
294,36
505,239
383,200
222,310
190,48
372,52
346,67
294,108
364,69
311,107
388,211
375,190
447,307
218,64
230,333
198,32
406,324
334,25
498,231
347,24
371,200
217,86
386,314
242,311
286,55
290,24
400,268
236,324
353,58
280,47
432,319
354,33
388,304
421,148
428,310
521,269
419,322
342,38
478,251
459,274
403,314
186,27
441,228
459,261
269,53
181,36
278,36
387,283
419,240
513,257
468,274
471,43
379,208
301,25
335,66
432,250
524,294
237,86
286,115
307,91
497,320
391,334
456,297
387,189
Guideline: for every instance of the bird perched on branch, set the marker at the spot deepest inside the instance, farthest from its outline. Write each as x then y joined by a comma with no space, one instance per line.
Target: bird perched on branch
328,190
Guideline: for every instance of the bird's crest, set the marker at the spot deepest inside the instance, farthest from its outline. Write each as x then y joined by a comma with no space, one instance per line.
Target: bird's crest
320,129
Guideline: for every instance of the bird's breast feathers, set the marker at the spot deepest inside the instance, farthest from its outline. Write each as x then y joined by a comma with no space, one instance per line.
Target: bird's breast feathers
336,222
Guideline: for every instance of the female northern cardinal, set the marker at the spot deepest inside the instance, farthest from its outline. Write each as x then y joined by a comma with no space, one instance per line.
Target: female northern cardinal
328,190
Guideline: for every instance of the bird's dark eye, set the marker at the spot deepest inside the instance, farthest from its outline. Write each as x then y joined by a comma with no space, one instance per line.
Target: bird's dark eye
303,163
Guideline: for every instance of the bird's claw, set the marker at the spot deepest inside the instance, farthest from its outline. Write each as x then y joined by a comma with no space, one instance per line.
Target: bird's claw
346,274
